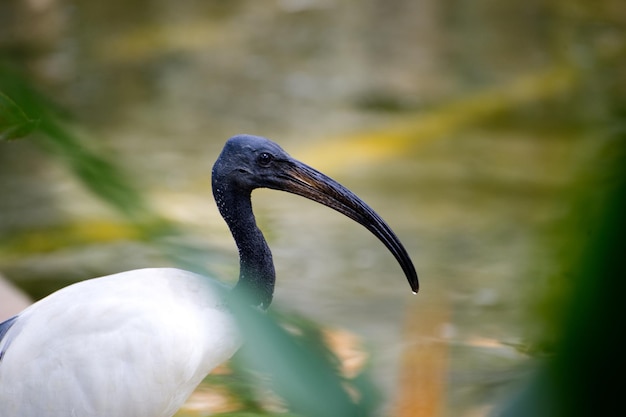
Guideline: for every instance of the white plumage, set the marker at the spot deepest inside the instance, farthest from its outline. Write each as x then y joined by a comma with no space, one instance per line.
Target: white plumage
131,344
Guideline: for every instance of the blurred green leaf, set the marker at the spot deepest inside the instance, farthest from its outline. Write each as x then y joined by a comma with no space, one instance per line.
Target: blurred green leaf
300,346
96,172
14,123
300,367
23,109
579,378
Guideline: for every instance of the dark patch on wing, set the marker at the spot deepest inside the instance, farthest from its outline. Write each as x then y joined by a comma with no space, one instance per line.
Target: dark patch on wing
4,328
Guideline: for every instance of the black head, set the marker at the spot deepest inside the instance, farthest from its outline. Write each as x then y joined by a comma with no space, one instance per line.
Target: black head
248,162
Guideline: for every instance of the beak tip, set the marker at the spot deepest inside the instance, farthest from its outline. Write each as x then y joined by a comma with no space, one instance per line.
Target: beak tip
415,289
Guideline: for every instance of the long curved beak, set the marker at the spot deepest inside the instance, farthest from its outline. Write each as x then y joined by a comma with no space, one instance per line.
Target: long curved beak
301,179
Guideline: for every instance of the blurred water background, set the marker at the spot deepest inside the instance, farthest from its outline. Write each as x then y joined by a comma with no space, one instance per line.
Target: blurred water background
475,128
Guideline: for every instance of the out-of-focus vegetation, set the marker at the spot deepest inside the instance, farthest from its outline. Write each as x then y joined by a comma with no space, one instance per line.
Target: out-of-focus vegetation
506,118
26,111
14,123
289,356
582,311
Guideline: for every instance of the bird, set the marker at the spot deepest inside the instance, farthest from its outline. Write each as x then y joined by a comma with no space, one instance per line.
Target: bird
137,343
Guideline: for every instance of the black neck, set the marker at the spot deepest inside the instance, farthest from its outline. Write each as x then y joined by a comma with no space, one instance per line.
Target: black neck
256,267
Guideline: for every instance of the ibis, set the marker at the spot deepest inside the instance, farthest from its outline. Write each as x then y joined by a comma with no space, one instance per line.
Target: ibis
137,343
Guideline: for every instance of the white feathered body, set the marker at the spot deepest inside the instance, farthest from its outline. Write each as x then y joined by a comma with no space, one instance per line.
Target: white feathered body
133,344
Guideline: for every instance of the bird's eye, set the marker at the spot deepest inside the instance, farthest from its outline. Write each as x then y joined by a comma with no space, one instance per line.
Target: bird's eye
264,159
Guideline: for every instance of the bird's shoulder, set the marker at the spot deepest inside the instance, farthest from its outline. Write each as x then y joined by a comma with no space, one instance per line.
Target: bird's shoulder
142,297
165,307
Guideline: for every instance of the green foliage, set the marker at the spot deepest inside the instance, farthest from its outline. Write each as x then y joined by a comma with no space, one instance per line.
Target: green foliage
587,330
287,355
24,111
14,123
